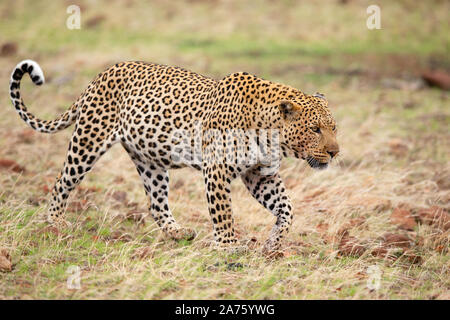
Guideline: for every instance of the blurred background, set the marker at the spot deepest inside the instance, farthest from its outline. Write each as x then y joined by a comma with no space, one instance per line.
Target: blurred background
388,89
305,43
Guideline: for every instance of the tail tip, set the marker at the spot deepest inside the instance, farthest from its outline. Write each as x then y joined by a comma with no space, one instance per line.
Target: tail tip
32,68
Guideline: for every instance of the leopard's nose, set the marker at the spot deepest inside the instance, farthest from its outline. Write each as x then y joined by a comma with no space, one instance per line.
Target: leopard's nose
333,153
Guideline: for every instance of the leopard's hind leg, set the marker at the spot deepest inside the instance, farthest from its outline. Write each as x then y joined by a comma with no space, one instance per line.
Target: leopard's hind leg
86,146
156,185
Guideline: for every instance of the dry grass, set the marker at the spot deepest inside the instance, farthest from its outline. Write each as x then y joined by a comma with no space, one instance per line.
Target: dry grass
395,152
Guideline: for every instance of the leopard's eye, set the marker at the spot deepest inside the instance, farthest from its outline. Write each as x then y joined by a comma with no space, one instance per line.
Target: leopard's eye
334,128
316,129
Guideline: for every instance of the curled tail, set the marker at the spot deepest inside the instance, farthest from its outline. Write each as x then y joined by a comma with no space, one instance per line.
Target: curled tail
37,76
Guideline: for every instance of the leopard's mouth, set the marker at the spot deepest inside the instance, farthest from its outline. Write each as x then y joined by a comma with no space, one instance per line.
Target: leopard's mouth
316,164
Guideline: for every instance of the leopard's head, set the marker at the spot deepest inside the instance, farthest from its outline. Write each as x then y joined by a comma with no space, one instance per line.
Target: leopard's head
309,130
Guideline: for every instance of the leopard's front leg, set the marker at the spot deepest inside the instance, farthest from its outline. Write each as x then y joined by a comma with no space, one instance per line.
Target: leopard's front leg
217,184
271,193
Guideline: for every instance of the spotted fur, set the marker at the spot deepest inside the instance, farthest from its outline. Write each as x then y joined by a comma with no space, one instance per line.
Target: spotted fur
140,105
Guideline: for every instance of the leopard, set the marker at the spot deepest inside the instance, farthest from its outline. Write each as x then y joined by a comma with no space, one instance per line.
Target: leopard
160,113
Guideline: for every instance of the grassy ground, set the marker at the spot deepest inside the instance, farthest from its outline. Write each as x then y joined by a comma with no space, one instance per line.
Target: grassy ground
393,135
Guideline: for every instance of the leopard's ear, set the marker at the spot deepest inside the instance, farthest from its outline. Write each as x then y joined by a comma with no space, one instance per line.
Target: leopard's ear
321,96
288,110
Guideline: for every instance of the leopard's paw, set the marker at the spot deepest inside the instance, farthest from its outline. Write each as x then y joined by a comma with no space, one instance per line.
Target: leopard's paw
273,254
182,234
271,251
59,223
